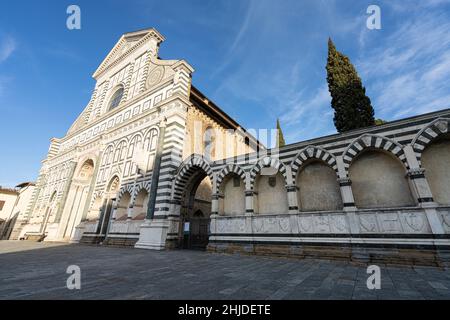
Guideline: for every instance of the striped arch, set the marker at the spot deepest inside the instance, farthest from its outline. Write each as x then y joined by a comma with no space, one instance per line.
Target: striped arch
187,169
264,163
312,152
373,141
231,168
428,134
143,185
97,194
115,173
128,188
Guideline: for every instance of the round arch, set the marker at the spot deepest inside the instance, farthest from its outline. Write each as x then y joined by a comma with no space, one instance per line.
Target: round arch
193,192
371,141
186,170
265,163
231,168
312,153
86,169
379,181
428,134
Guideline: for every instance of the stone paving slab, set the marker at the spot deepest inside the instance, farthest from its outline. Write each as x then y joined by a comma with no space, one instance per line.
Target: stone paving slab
32,270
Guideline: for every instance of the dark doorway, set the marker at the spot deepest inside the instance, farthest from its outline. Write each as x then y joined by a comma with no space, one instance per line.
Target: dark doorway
196,211
104,221
197,232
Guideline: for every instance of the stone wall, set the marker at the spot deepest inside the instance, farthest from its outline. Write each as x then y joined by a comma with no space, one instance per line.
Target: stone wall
370,188
379,180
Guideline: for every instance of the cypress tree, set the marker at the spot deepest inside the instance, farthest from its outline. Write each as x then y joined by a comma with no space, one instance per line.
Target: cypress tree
352,108
379,122
280,137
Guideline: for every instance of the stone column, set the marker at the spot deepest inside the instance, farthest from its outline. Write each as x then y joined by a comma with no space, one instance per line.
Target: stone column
417,180
293,207
249,210
114,210
130,212
345,186
249,201
292,198
422,191
348,201
214,212
65,194
215,203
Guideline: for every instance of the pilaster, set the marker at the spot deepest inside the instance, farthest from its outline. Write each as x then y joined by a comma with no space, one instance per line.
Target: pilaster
66,191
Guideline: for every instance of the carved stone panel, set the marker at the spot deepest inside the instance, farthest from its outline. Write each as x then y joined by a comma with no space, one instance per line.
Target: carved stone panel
368,223
389,222
155,76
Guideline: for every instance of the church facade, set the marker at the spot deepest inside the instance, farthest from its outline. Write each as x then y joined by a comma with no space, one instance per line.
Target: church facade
152,163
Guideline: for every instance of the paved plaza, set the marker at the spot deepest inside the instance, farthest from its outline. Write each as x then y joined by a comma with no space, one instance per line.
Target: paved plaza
32,270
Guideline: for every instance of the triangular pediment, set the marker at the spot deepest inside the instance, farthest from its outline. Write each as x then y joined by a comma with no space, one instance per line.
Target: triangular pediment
127,43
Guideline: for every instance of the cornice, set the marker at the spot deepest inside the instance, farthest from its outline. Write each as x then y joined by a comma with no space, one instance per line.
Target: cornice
106,64
122,107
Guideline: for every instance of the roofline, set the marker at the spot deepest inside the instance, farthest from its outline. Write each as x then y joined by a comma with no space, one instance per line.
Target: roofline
9,191
131,33
216,110
100,69
25,184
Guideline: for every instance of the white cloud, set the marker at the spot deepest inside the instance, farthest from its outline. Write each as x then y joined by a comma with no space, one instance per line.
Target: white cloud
7,47
408,73
308,115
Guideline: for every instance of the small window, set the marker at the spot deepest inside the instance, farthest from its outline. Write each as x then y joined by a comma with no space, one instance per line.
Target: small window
2,203
209,145
116,98
236,181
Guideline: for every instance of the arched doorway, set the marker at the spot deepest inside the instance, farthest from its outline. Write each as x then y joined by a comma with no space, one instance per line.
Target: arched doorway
194,193
76,199
196,211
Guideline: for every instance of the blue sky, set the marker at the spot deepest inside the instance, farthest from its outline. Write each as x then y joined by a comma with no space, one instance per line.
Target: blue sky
258,60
